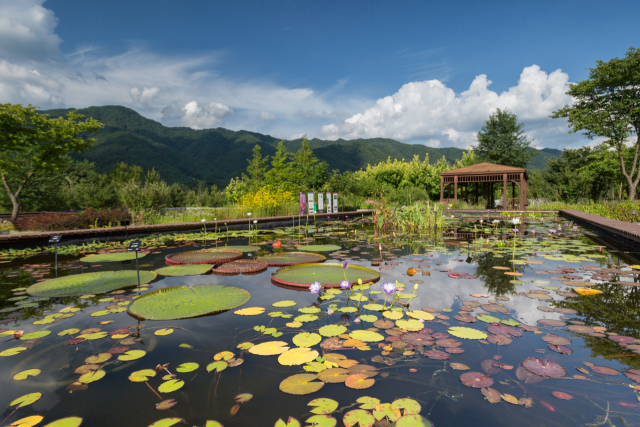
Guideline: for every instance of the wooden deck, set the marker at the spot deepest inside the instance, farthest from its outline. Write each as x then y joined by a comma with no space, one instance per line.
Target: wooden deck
624,229
234,224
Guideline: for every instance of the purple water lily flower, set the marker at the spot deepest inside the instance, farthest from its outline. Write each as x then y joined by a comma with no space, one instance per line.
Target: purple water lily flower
329,311
533,231
357,320
315,288
345,285
388,288
552,231
345,264
345,317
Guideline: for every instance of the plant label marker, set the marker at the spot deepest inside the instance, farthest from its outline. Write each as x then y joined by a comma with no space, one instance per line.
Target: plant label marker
310,209
55,239
320,202
328,210
135,247
335,202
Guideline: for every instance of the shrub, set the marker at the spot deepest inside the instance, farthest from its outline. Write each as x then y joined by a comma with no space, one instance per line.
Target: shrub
90,218
267,199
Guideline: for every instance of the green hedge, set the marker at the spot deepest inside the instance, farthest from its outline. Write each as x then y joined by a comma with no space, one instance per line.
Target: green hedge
623,211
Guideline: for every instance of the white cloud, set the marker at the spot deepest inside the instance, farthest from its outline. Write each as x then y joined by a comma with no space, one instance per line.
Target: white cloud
144,96
429,109
266,117
194,116
433,143
27,30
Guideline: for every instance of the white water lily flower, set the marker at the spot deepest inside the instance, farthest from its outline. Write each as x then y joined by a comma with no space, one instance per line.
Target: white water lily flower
515,221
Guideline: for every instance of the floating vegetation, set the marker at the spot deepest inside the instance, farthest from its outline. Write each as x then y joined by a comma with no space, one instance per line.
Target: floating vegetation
207,256
281,259
89,283
329,275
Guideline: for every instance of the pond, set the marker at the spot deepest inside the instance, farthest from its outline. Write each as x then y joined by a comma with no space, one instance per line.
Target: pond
472,330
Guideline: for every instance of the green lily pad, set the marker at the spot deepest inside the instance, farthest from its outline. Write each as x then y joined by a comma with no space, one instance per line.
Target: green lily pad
510,322
92,376
306,339
66,422
310,310
132,355
94,336
323,406
26,400
413,421
80,284
183,302
187,367
20,376
332,330
373,307
319,248
12,351
142,376
287,303
329,275
171,385
120,256
368,318
360,417
35,335
488,319
166,422
306,318
218,366
282,259
348,309
366,336
184,270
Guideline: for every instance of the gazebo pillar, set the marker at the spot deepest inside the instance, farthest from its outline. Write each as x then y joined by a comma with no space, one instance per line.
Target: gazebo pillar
455,187
504,191
523,192
441,189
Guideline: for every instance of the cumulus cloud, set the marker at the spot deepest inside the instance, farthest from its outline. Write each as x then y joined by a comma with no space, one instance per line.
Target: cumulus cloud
27,30
429,110
266,117
144,96
194,116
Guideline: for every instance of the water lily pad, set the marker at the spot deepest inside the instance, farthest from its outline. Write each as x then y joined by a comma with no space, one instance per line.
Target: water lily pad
89,283
187,367
26,400
166,422
286,303
20,376
184,270
329,275
476,379
359,381
467,333
368,318
12,351
27,421
218,366
269,348
142,376
166,404
334,375
413,420
561,395
112,257
488,319
92,376
71,331
66,422
319,248
307,339
132,355
244,397
291,422
366,336
98,358
322,421
301,384
163,332
282,259
207,256
332,330
544,368
183,302
605,370
171,385
249,311
297,356
306,318
358,417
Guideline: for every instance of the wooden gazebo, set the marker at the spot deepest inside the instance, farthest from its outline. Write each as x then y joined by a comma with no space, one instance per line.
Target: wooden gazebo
484,176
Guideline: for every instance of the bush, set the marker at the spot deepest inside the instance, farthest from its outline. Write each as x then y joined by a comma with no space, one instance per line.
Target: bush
623,211
90,218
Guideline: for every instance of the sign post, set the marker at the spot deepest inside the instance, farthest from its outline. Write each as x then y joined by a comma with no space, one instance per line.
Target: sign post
135,247
335,202
310,209
320,203
328,210
55,239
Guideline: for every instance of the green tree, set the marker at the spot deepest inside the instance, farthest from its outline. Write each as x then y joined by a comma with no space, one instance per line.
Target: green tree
280,174
607,105
304,166
256,169
501,140
33,144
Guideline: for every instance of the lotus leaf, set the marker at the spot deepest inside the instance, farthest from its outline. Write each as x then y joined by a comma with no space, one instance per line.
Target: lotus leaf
329,275
92,376
187,367
12,351
35,335
26,400
407,406
142,376
20,376
368,402
323,406
393,315
218,366
297,356
413,421
286,303
112,257
307,339
366,336
360,417
410,325
467,333
96,283
183,302
171,385
301,384
184,270
132,355
332,330
250,311
269,348
166,422
66,422
27,421
291,422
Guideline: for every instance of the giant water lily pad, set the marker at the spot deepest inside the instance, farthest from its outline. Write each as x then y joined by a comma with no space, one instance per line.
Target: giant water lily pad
207,256
319,248
544,368
89,283
184,270
282,259
183,302
301,384
114,257
329,275
244,266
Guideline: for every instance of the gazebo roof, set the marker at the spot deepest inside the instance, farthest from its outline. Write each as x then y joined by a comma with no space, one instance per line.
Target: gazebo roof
483,168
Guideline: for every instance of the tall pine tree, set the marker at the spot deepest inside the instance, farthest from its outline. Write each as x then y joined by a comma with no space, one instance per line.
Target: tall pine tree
501,140
257,169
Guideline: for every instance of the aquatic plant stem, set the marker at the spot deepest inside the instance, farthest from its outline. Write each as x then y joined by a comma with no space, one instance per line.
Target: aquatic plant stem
9,415
154,392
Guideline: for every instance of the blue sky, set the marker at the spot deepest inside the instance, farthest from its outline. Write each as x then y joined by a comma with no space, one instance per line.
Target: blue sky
417,71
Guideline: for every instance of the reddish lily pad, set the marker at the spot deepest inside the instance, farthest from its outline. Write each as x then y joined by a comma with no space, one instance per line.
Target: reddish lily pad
581,329
605,370
544,368
487,366
499,339
476,379
166,404
437,355
551,322
560,349
561,395
556,340
491,394
359,381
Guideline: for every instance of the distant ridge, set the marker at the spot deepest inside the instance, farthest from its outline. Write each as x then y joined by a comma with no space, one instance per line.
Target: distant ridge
186,155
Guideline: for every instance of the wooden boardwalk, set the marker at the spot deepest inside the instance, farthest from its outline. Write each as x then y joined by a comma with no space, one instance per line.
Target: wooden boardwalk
624,229
234,224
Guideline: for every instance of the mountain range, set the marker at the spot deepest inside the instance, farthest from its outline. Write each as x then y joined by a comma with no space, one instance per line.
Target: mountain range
215,156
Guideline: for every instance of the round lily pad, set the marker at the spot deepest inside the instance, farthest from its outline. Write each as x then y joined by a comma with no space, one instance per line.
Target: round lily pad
413,420
476,379
544,368
114,257
319,248
184,270
20,376
467,333
301,384
332,330
282,259
244,266
297,356
246,248
366,336
89,283
183,302
207,256
360,417
66,422
329,275
307,339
